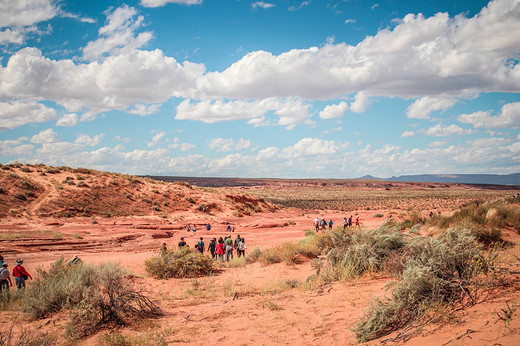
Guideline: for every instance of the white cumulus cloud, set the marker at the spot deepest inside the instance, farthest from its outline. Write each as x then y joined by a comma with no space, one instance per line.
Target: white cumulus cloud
45,136
334,111
423,107
67,120
229,144
17,113
118,34
261,4
290,112
509,116
90,141
441,130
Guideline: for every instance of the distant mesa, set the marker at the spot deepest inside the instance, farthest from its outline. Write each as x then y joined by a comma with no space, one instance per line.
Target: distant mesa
486,179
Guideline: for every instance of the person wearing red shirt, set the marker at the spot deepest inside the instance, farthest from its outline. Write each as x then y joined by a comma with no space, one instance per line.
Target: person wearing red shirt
20,274
220,250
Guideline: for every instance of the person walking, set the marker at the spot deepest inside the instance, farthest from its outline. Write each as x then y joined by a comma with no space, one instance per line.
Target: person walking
5,278
20,275
241,249
317,224
182,243
345,222
229,248
212,248
220,250
237,241
201,245
330,224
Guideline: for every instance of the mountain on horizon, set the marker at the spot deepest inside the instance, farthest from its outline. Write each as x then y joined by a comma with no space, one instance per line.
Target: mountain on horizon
488,179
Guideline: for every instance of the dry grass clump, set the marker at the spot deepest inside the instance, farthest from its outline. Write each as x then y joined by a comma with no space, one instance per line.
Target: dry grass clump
290,253
483,219
183,263
96,297
438,272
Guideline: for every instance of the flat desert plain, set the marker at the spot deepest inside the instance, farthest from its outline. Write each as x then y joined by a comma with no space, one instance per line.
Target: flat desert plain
48,213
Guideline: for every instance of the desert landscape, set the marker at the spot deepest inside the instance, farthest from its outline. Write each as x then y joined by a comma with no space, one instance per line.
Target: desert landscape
48,213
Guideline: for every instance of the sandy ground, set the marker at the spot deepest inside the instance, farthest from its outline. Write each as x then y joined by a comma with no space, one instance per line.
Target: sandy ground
207,309
238,306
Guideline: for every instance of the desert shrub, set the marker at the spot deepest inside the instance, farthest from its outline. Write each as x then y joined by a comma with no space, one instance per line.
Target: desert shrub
484,219
14,175
2,191
191,200
412,219
96,297
80,170
310,233
352,254
183,263
57,236
379,215
52,170
26,169
156,208
253,255
438,272
290,253
20,196
202,207
82,184
183,183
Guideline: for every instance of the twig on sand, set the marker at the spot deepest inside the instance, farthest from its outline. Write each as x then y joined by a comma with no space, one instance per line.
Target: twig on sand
466,334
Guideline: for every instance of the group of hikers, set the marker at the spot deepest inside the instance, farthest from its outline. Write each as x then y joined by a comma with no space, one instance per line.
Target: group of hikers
220,250
322,224
19,273
217,249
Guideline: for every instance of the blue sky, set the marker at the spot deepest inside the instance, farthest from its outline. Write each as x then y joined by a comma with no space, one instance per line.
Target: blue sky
290,89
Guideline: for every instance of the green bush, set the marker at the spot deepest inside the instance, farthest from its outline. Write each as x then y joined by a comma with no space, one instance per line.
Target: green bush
438,272
352,254
183,263
96,297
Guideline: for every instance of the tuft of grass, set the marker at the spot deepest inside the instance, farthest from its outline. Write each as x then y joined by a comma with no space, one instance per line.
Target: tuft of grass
236,262
290,253
12,236
57,236
183,263
253,255
76,235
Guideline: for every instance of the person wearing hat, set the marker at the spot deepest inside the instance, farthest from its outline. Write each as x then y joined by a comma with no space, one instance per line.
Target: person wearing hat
5,278
20,274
